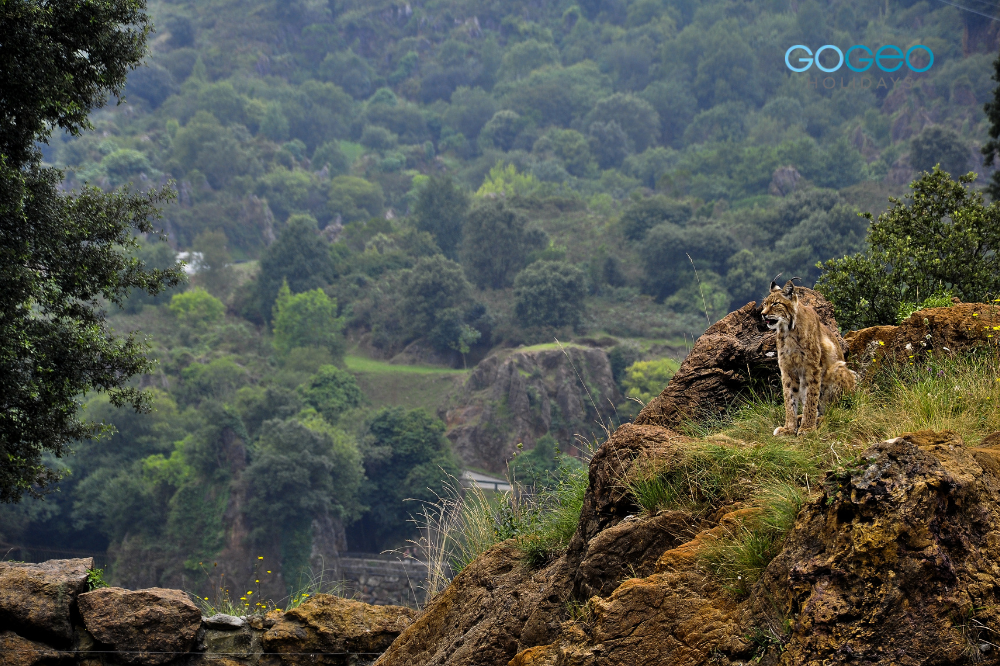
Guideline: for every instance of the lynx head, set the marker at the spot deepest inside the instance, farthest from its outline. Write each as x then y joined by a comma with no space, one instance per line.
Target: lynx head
778,309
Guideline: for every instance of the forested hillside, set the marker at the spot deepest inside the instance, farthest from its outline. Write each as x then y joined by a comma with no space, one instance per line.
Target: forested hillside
364,180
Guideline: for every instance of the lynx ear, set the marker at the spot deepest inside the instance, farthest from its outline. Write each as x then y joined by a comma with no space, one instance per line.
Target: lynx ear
774,283
789,289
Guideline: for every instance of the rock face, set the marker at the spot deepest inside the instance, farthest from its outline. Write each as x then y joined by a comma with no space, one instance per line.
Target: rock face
149,626
516,396
735,352
898,561
940,330
36,600
338,631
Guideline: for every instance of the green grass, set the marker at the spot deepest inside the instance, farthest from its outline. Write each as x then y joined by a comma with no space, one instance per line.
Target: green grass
369,365
409,386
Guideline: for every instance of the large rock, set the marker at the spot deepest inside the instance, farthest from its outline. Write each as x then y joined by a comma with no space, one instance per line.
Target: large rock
734,354
18,651
336,631
898,560
942,331
494,608
36,600
516,396
150,626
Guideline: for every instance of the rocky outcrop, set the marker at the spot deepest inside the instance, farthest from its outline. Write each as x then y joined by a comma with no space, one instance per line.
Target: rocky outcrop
898,560
734,354
516,396
336,631
36,600
936,330
145,626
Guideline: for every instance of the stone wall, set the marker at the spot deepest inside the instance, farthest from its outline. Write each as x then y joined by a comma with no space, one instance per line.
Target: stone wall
383,580
50,617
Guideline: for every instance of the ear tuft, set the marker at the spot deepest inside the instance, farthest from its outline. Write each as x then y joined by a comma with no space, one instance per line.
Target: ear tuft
774,283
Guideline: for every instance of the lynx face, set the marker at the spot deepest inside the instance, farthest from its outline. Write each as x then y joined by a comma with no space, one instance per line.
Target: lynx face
778,308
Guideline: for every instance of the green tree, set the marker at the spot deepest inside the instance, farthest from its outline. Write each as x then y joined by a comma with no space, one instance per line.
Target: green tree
646,379
635,115
470,110
331,392
501,130
64,255
197,309
939,145
525,57
433,286
549,293
943,239
300,256
406,458
354,199
440,210
308,319
569,146
495,244
644,214
991,148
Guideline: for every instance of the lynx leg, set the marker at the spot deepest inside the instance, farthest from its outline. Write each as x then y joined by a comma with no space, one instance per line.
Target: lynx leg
791,398
810,412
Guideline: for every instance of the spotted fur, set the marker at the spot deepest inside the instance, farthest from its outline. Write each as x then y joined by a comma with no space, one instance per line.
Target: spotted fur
813,371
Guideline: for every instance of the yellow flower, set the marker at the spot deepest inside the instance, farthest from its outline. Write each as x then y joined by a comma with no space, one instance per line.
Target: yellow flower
260,557
249,591
881,343
243,598
268,572
206,598
257,581
975,314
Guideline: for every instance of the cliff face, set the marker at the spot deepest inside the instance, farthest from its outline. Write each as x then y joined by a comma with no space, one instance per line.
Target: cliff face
516,396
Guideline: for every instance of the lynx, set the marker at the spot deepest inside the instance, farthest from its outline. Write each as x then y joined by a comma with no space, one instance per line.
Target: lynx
813,371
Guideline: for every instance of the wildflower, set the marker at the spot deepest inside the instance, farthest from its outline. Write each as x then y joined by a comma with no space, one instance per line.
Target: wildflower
260,557
249,591
881,343
909,347
243,598
975,314
256,581
268,572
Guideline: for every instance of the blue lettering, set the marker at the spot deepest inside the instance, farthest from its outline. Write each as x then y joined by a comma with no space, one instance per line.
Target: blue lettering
834,48
808,61
879,58
867,62
910,50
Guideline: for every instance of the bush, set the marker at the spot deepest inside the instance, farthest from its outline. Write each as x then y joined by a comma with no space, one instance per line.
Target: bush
308,319
332,391
943,239
549,293
197,308
645,380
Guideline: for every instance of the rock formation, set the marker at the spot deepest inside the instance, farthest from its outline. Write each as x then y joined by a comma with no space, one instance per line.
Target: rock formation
940,330
733,355
517,396
894,561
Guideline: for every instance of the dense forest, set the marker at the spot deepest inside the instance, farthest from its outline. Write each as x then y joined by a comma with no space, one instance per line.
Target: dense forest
438,179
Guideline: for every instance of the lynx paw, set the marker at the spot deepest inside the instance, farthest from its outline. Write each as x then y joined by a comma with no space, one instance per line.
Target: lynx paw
803,431
781,432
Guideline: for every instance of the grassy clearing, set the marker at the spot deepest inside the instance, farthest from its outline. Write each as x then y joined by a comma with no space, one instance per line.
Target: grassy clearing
737,460
409,386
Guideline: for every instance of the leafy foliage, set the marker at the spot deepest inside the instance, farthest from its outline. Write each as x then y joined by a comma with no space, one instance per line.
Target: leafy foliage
943,239
549,293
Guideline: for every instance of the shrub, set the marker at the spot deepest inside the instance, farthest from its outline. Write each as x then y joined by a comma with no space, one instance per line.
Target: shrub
549,293
197,308
332,391
308,319
943,239
645,380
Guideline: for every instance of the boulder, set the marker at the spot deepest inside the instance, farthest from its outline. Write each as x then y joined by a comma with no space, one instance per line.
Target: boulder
517,395
784,181
337,631
897,561
733,355
151,626
494,608
954,329
607,500
18,651
36,600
